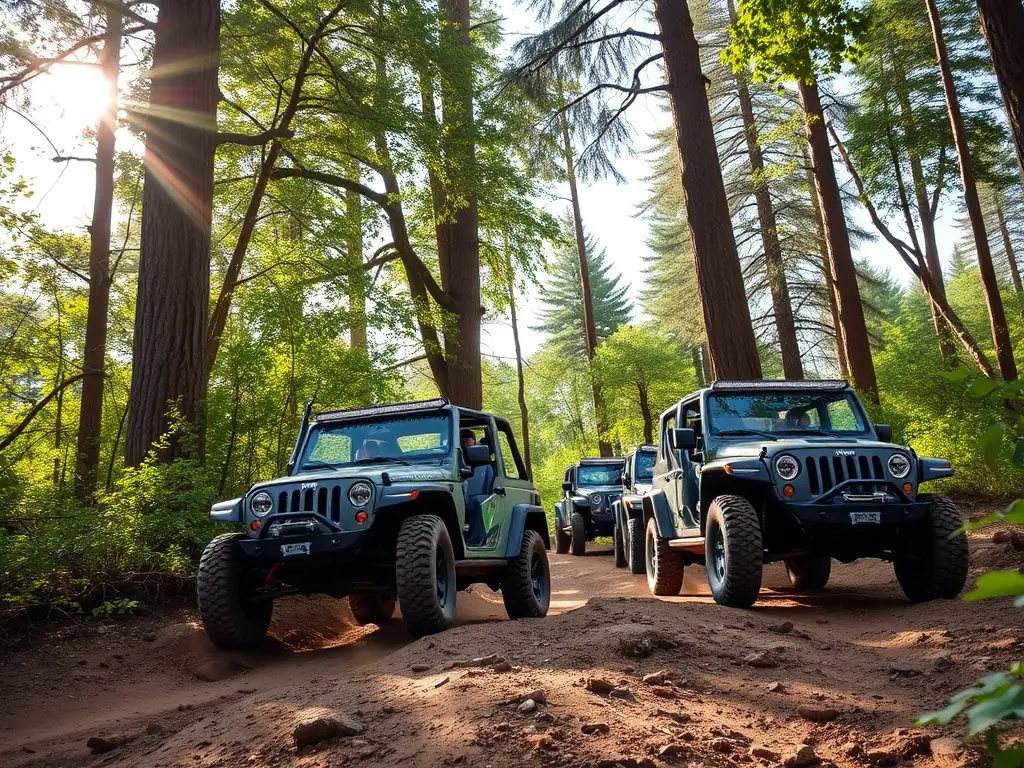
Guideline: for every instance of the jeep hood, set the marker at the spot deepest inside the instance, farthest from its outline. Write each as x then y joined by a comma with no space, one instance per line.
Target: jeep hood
398,473
752,448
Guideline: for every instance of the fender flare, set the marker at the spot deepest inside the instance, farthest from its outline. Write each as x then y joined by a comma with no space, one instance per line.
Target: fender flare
656,506
526,516
933,469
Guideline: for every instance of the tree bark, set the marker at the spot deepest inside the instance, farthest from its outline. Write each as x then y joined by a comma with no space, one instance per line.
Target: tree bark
1011,256
524,413
460,272
1002,24
850,311
169,347
589,324
356,276
785,326
94,356
645,412
730,335
997,316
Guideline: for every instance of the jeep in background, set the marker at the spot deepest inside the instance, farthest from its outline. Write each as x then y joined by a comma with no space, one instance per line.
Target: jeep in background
753,472
585,512
637,476
409,502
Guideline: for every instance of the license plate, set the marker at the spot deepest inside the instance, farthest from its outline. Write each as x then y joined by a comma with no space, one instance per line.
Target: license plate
290,550
865,517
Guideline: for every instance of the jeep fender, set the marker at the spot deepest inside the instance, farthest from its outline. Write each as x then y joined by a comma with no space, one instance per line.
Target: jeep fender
526,517
933,469
227,511
656,506
744,477
559,515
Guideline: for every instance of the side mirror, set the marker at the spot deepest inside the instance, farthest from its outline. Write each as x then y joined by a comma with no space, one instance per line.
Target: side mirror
627,480
884,432
683,439
566,485
478,455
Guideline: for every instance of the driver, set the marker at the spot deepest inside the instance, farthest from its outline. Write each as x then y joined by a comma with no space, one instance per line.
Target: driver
478,489
370,449
797,418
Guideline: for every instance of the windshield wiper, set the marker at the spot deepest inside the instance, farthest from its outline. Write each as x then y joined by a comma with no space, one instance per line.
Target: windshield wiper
318,465
374,459
729,432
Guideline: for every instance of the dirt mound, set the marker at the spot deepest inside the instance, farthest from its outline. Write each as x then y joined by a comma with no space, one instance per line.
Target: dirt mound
1001,549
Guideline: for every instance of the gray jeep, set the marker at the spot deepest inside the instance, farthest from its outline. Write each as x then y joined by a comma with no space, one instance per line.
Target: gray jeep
628,537
753,472
381,504
585,512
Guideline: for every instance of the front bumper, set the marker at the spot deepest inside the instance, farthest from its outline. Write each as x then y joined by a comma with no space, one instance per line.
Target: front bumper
847,514
328,538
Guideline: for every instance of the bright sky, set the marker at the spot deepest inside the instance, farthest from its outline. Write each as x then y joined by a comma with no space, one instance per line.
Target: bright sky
65,103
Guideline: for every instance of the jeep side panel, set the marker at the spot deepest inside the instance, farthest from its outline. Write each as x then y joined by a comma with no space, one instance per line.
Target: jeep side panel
656,505
526,517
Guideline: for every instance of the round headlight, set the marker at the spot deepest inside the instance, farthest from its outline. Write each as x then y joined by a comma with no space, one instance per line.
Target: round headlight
595,499
787,467
261,504
359,494
899,465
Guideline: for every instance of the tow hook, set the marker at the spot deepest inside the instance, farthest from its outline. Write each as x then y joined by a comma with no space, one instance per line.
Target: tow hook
270,575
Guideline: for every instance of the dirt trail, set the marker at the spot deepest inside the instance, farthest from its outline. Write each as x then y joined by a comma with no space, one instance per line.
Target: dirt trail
856,653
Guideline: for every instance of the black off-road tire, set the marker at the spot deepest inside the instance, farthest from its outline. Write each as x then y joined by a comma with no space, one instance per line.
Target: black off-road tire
940,570
562,539
635,548
229,619
425,575
372,607
579,535
618,546
733,551
664,567
809,571
526,588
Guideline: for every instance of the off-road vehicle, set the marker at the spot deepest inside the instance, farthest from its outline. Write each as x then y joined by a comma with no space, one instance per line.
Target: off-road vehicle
585,511
410,501
628,537
752,472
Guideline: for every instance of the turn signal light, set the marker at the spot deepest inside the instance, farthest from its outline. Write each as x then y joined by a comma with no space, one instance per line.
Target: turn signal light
255,525
728,469
362,517
908,488
788,491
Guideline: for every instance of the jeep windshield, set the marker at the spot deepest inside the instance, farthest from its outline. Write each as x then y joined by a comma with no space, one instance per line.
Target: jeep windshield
643,470
598,474
391,440
772,414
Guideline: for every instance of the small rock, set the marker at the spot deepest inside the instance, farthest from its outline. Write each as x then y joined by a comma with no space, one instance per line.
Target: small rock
942,663
1002,537
781,629
99,745
678,717
502,727
725,746
83,662
622,693
660,677
670,751
103,665
817,714
763,753
760,660
419,667
530,730
528,706
544,742
599,686
852,749
776,687
589,728
444,680
804,756
822,621
155,727
320,723
945,748
502,666
27,749
907,670
663,692
539,696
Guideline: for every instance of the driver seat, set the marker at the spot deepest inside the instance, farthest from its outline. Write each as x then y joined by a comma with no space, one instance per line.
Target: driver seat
478,490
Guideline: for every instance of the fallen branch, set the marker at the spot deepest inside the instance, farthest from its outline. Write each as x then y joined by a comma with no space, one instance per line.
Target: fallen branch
13,435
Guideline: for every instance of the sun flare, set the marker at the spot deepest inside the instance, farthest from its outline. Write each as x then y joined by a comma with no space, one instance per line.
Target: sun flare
78,91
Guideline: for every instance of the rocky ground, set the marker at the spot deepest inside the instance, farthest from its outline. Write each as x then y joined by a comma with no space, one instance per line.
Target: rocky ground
612,677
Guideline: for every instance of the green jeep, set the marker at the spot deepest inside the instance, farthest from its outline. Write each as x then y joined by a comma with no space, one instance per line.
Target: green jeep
753,472
409,502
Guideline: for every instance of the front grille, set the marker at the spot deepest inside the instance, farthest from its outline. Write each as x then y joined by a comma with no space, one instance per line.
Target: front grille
825,473
325,501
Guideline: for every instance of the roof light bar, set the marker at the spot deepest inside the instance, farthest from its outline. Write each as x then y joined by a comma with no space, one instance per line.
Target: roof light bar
823,384
382,410
613,460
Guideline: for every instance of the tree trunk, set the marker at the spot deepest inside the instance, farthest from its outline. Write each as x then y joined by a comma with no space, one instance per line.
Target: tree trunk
524,414
232,434
589,324
645,412
730,335
850,312
1000,330
460,272
785,326
94,356
356,277
826,271
1002,24
1011,256
169,347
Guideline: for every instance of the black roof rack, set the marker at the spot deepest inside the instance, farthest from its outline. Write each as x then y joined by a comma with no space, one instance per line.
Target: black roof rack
348,414
609,460
776,384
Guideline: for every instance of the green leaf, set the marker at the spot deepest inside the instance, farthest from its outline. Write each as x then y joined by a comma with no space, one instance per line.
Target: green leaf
983,387
1008,758
990,444
991,709
1018,453
997,584
957,375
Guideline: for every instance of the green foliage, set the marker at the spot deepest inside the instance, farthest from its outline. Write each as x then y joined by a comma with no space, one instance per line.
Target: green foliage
113,608
794,39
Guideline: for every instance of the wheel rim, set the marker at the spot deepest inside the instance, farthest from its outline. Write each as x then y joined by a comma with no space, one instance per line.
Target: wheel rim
441,576
537,577
718,562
